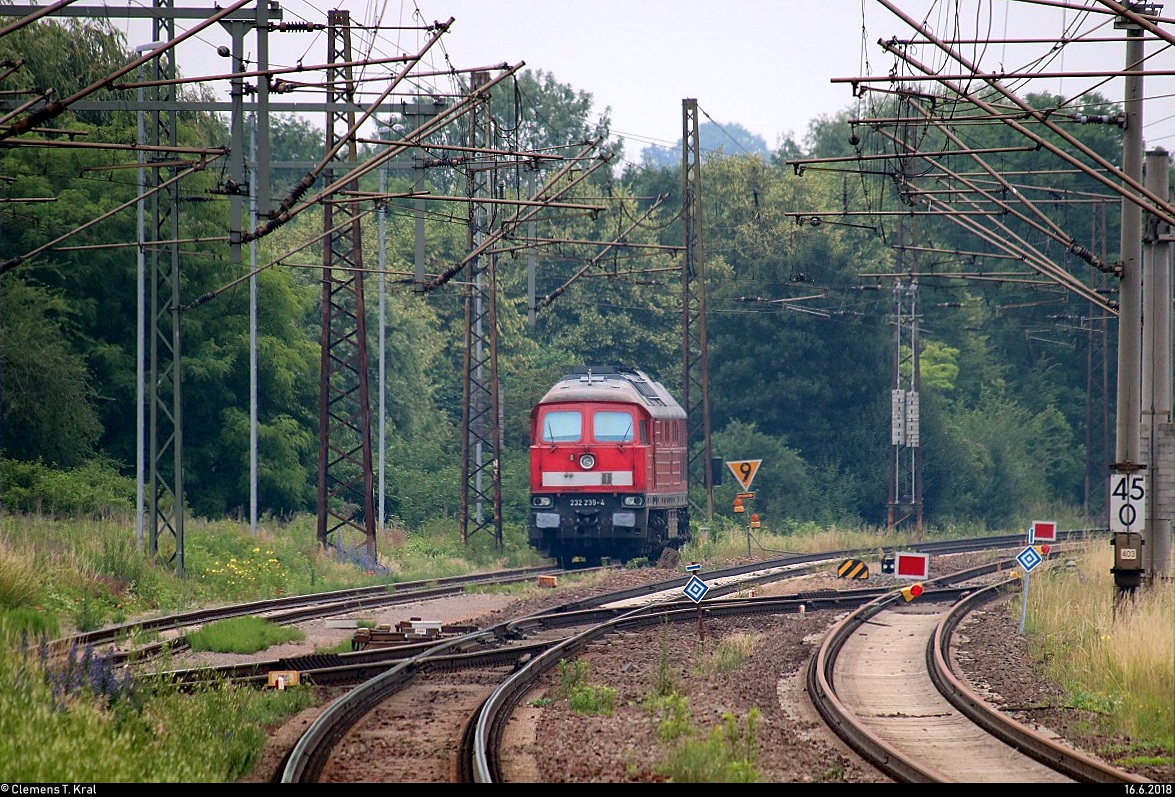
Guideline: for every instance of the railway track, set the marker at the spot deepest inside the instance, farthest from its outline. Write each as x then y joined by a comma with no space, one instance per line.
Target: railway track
445,711
120,641
480,691
883,680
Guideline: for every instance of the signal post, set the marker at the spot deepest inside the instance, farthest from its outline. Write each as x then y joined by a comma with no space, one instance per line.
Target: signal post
744,471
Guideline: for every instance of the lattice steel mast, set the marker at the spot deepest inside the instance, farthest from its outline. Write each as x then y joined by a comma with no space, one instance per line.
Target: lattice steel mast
695,377
165,477
346,496
481,438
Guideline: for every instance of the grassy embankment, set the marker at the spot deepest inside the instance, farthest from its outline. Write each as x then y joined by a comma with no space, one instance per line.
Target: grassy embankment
1114,653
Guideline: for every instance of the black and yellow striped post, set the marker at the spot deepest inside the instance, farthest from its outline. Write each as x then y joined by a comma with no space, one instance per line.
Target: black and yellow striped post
852,568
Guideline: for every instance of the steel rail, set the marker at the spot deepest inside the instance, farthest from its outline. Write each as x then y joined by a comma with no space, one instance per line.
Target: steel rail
497,646
905,768
1073,763
495,713
410,589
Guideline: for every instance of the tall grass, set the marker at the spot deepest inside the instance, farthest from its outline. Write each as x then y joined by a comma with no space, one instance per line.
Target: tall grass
243,635
55,730
724,539
61,576
1115,654
20,582
92,572
727,754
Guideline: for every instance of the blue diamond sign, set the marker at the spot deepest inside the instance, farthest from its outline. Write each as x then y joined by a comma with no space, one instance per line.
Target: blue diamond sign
696,589
1028,559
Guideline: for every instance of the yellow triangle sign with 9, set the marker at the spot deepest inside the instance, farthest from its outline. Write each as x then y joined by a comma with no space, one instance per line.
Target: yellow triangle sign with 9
745,471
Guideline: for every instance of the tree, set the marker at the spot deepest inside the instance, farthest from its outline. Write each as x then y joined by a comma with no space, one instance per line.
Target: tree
293,138
48,403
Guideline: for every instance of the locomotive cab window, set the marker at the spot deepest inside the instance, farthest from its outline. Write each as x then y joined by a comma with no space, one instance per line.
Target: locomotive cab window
612,427
563,426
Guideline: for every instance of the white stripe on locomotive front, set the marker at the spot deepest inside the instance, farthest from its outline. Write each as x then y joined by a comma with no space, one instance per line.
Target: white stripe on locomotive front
571,478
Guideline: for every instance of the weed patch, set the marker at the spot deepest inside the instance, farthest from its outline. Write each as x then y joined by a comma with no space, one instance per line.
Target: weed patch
583,697
727,754
242,635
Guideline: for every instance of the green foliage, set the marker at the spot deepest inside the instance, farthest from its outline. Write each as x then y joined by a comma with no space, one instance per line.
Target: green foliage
55,574
87,614
161,736
543,115
28,623
118,561
592,699
995,451
937,366
800,343
92,489
671,715
583,697
292,138
255,571
782,486
65,55
728,754
58,729
1115,658
242,635
48,402
664,684
572,675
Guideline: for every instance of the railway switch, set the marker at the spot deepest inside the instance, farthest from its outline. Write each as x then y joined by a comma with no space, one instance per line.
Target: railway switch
911,592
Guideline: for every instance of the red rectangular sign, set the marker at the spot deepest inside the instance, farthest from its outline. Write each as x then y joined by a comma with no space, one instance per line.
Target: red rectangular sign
1044,531
912,565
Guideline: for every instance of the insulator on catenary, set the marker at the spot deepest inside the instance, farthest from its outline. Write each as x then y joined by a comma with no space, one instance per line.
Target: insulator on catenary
297,27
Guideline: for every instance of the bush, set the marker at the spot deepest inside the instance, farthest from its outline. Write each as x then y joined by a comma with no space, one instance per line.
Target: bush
93,490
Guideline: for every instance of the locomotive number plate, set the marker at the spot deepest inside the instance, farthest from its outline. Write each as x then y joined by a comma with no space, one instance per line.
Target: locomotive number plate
586,502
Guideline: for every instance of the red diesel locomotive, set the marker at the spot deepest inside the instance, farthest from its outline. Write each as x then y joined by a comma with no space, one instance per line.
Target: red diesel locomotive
608,465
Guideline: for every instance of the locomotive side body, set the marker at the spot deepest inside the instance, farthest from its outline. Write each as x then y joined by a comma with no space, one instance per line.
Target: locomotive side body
608,464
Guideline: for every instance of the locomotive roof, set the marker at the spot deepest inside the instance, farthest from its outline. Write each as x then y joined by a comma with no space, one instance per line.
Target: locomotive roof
604,383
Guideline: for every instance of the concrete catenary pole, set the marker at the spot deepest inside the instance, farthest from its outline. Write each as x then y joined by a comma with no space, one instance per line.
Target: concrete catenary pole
1128,462
1158,431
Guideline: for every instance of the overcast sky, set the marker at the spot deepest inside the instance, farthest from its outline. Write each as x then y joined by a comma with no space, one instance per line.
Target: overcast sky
768,65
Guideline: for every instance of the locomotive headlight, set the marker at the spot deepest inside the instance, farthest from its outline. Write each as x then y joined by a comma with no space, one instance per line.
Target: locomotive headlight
634,500
587,461
541,500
